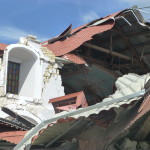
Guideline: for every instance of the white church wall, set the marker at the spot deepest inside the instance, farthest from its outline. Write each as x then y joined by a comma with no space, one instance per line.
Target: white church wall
52,84
39,79
30,83
27,79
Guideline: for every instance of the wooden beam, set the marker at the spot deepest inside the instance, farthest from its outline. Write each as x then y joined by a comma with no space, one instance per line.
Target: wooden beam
117,37
134,52
101,49
87,52
102,65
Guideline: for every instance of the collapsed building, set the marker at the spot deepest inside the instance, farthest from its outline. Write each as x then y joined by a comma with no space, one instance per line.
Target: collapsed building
91,80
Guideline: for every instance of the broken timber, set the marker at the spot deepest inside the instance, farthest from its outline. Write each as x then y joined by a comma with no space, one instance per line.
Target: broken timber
109,52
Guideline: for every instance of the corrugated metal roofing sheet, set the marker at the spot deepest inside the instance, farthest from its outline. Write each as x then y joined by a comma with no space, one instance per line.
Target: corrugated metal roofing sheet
58,129
65,117
65,46
104,137
70,101
80,97
144,109
3,46
101,137
74,58
80,35
78,28
5,122
12,136
103,18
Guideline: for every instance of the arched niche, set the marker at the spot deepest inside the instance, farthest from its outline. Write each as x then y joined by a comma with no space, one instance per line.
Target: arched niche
29,72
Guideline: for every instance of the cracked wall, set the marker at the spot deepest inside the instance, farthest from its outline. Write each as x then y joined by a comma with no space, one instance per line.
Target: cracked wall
48,83
52,82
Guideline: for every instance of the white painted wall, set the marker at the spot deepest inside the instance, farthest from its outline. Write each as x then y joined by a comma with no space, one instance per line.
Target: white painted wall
1,72
33,65
28,66
53,88
27,79
34,92
30,83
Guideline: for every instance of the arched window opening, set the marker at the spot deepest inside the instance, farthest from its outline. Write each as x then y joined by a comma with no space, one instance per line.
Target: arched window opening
21,72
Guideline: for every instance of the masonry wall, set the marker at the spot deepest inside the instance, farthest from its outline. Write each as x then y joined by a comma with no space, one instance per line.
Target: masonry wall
44,85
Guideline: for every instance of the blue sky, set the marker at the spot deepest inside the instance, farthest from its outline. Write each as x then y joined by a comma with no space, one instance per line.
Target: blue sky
48,18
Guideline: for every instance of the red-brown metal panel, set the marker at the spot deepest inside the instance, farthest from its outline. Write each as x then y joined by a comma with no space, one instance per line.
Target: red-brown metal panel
12,136
3,46
65,46
74,58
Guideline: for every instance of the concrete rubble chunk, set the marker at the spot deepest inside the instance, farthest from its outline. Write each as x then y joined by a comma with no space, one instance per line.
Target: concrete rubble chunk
128,84
128,144
143,146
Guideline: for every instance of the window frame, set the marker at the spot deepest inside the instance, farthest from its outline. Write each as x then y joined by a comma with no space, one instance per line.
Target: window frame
13,71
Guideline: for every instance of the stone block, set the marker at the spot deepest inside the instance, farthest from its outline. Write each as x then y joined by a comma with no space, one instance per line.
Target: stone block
128,144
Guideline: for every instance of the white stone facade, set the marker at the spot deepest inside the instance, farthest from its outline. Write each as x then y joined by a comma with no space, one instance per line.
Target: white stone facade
39,79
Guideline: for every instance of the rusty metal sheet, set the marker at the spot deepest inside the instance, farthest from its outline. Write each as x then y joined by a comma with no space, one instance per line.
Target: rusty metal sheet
86,112
12,136
143,110
3,46
74,58
63,102
65,46
8,123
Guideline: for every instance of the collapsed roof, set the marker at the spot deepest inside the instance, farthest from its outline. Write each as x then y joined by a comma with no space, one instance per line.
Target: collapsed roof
100,52
120,39
105,121
103,49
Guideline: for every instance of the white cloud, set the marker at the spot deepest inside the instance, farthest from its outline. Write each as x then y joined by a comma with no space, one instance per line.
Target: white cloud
13,33
90,16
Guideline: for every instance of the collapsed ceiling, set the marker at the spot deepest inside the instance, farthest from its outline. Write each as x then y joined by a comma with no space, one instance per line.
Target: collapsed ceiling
102,51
